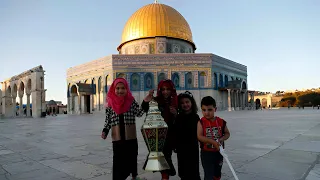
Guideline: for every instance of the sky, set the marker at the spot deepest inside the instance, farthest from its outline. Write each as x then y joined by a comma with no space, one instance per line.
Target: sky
278,41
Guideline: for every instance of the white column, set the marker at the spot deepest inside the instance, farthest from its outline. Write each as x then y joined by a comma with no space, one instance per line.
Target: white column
237,100
229,100
79,103
28,105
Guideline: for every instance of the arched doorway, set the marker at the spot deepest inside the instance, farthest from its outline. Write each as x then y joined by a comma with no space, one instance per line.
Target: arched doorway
74,99
258,103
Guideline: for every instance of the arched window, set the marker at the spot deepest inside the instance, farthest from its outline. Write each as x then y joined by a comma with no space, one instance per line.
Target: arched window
188,81
202,79
220,80
176,80
148,81
244,85
135,82
215,81
226,80
161,77
121,75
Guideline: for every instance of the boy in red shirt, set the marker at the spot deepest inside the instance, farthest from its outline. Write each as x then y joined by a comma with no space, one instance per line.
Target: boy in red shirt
212,131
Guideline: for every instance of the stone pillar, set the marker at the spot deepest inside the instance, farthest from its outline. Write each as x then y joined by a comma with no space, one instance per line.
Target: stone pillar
28,105
20,106
237,100
229,100
232,100
38,98
79,104
14,109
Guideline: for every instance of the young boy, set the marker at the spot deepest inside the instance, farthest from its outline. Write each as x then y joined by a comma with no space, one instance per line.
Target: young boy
212,131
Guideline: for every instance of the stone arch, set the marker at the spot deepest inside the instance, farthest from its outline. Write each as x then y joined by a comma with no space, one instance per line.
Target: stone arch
74,98
226,80
215,81
176,80
220,80
148,81
21,88
86,81
202,79
161,77
188,80
15,90
29,86
232,78
8,92
135,82
122,75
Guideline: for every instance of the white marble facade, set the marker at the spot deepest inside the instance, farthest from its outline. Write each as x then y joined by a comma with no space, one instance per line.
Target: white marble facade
201,74
30,84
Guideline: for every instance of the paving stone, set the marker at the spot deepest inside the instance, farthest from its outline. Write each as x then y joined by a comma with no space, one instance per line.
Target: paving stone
314,173
4,152
21,167
39,174
77,169
275,168
11,158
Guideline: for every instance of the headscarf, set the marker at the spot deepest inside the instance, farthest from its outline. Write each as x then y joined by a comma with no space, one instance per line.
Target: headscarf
170,101
119,104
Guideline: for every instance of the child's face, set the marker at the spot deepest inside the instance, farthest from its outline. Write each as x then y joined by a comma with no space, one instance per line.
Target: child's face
166,92
186,104
121,90
208,111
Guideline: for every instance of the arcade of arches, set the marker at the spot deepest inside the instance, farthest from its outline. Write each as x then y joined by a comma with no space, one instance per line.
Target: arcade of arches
29,84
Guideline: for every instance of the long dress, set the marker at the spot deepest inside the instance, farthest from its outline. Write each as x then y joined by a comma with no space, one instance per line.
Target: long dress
187,146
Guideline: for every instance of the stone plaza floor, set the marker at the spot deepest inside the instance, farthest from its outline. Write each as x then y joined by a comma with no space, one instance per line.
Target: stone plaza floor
264,145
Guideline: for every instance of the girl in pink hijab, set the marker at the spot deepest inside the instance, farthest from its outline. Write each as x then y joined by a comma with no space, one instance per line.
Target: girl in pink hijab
121,111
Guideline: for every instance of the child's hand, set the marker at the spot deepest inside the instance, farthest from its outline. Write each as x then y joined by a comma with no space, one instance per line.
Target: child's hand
103,135
216,145
149,97
173,110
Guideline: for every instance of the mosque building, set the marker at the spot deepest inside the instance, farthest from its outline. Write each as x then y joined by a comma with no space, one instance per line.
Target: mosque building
157,44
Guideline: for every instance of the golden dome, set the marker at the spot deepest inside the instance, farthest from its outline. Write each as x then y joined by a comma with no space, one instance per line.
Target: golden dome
156,20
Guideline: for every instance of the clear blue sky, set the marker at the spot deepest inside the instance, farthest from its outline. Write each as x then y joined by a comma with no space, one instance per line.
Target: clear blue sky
278,40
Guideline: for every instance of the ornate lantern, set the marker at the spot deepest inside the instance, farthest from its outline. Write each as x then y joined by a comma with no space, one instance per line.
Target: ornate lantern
154,131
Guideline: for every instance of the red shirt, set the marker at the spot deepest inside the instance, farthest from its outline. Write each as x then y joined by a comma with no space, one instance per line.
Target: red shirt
212,130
